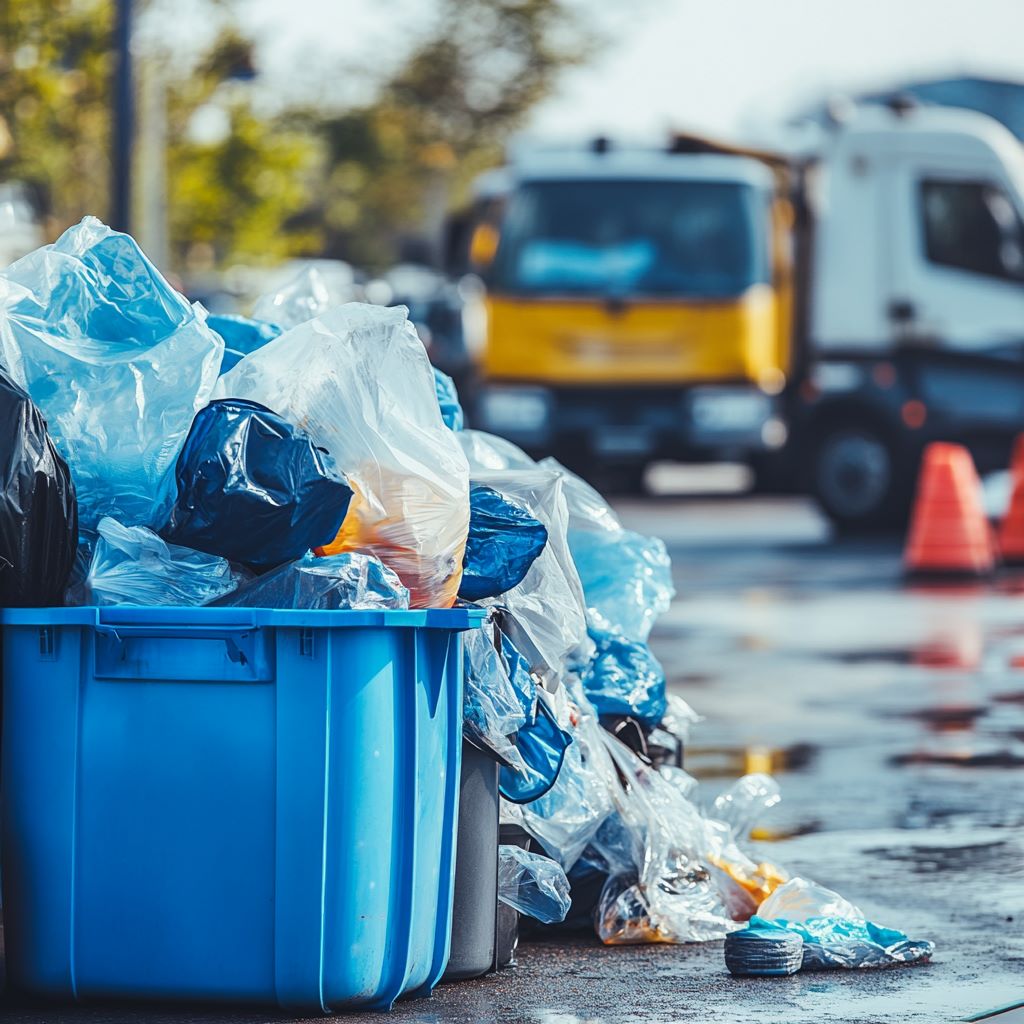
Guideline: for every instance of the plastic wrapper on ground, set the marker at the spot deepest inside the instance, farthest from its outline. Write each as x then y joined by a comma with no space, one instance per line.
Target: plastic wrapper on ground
253,488
116,359
349,580
504,541
448,400
548,604
38,510
241,335
358,381
485,452
310,293
132,565
835,932
534,885
624,678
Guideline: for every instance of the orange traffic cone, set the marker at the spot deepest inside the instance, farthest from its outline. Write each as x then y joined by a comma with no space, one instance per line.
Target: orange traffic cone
948,532
1011,530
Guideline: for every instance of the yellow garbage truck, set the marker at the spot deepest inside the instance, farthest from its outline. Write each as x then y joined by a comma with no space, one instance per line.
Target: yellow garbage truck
637,306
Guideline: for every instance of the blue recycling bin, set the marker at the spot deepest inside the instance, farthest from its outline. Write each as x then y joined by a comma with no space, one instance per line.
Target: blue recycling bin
230,804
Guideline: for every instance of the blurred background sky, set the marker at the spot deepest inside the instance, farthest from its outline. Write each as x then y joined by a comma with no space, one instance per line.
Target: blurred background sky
729,66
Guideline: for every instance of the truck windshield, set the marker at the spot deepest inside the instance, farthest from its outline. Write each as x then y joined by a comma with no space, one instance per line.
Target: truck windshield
620,238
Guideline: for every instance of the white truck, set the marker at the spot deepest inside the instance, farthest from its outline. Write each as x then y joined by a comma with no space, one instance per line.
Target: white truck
909,292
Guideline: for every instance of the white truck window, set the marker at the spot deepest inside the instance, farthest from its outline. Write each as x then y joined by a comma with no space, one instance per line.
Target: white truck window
972,226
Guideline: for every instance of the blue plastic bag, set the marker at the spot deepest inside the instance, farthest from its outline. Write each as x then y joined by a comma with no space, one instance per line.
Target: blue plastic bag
448,399
253,488
504,541
116,359
626,577
241,336
625,678
132,565
348,580
542,746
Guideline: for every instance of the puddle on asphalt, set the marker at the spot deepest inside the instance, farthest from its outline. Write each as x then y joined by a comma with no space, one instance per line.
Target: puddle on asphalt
932,860
960,759
942,719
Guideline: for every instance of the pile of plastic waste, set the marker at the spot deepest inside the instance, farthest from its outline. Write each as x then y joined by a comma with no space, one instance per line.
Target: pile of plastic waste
312,458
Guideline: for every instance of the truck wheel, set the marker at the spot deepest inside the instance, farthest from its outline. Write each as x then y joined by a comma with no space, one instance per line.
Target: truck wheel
855,478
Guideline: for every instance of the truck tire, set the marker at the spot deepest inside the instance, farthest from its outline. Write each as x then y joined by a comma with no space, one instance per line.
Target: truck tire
856,478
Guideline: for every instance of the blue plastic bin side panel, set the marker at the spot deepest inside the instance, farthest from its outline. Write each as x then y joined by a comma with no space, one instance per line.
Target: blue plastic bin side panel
276,827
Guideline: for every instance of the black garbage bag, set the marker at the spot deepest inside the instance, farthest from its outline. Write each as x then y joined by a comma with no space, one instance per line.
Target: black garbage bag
38,510
254,489
504,541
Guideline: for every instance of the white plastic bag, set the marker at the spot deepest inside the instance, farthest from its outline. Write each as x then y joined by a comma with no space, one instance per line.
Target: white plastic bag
488,451
117,360
309,293
358,381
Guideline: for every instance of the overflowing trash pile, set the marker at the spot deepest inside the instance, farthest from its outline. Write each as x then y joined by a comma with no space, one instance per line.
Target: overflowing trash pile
312,458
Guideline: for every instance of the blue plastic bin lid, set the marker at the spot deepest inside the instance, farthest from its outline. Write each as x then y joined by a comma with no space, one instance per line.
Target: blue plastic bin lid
455,619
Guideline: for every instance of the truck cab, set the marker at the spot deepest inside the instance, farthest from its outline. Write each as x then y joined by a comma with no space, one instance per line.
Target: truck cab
636,308
914,324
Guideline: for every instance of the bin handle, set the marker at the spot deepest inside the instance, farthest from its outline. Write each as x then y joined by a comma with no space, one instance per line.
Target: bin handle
232,635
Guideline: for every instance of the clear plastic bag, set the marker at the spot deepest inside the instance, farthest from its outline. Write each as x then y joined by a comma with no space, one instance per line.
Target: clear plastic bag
534,885
834,931
548,604
310,293
358,381
485,452
745,801
349,580
116,359
504,541
132,565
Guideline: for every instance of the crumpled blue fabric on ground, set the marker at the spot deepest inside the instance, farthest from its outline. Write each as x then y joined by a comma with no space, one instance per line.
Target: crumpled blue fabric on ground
347,580
837,942
625,678
241,335
503,543
253,488
131,565
448,399
116,359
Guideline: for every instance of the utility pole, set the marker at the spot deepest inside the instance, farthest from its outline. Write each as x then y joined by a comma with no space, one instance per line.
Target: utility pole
124,118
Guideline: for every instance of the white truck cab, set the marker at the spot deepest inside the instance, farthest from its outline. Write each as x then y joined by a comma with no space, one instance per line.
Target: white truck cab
914,314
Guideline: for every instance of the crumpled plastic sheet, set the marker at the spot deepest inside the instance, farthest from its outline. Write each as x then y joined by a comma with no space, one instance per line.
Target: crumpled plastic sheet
532,884
485,452
253,488
358,381
745,801
626,577
349,580
493,711
131,565
448,400
116,359
548,604
241,335
679,717
309,294
835,932
625,678
38,510
504,541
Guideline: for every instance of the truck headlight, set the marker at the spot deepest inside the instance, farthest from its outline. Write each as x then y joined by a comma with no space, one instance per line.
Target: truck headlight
727,411
514,409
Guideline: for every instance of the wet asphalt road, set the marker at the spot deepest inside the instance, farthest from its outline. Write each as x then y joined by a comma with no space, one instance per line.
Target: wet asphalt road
893,717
